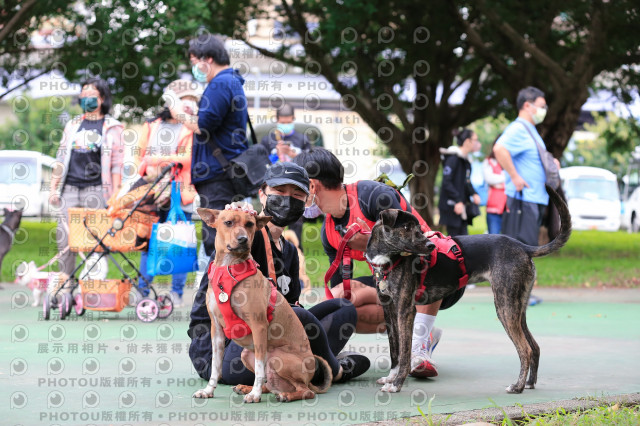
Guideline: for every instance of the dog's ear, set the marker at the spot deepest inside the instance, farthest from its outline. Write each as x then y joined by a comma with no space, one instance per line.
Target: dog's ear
261,221
208,216
389,217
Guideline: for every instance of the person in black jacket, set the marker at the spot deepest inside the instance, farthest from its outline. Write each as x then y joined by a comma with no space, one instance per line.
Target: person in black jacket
457,191
328,324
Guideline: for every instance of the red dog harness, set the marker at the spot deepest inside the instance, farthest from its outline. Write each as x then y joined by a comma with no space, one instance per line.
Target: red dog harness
444,245
344,253
222,280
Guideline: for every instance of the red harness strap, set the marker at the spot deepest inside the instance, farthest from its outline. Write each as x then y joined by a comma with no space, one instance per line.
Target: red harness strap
450,248
445,245
223,279
343,256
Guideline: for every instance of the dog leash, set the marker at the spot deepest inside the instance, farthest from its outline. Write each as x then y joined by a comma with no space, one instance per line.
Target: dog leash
343,257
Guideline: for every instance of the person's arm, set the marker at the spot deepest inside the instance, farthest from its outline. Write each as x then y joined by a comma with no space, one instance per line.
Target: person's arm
506,162
331,253
290,253
187,120
449,189
54,185
117,157
378,197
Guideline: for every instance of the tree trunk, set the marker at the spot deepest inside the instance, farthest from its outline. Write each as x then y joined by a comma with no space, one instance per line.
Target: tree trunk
562,119
423,160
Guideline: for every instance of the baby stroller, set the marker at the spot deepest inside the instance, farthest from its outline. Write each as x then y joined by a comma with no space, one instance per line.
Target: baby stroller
124,227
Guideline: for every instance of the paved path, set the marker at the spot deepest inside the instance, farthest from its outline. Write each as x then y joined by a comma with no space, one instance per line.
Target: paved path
119,370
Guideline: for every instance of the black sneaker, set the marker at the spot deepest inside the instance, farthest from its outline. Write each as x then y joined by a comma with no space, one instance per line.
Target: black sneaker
353,365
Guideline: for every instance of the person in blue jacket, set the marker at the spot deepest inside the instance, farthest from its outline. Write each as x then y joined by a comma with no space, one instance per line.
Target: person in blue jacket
221,120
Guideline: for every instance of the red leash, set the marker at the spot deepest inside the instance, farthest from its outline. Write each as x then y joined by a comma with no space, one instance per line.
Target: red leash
343,257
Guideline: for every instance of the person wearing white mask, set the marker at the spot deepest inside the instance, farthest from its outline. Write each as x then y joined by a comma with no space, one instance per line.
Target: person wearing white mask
518,155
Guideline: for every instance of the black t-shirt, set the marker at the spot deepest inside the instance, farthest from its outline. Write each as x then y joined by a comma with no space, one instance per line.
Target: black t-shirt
286,265
373,198
84,165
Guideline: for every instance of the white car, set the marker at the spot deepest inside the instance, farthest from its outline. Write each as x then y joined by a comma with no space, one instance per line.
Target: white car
631,214
24,181
592,197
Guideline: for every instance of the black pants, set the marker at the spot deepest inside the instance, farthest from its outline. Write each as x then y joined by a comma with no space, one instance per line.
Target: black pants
522,219
336,318
214,194
329,325
454,231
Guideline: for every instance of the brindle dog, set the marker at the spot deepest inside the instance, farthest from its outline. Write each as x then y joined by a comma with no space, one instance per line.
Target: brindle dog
503,261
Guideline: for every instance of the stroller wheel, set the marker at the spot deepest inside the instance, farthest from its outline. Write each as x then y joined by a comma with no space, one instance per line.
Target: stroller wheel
46,306
67,303
166,305
147,310
78,304
62,308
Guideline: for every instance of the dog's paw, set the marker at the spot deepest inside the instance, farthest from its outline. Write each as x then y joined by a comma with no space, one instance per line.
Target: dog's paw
389,387
252,397
242,389
513,389
282,397
383,380
203,393
529,386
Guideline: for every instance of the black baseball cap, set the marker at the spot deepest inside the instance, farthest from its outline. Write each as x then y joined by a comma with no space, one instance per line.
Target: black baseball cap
287,173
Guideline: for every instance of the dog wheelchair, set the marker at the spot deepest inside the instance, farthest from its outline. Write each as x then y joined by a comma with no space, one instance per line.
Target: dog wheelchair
125,226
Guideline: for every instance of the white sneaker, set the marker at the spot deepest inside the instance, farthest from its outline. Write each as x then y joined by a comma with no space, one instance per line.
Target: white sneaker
422,365
176,299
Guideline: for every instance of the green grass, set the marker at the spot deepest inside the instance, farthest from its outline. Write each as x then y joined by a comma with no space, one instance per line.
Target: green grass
36,240
604,415
590,258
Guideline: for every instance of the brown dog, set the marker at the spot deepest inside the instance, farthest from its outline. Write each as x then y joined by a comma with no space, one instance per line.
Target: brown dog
278,351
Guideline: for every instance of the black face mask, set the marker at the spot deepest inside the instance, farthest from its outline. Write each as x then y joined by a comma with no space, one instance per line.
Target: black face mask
285,210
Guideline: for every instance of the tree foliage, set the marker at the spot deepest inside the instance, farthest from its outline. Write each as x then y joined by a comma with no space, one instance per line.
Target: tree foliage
413,71
615,139
39,124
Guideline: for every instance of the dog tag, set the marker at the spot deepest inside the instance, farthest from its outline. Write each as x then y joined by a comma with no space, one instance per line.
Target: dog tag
383,286
223,297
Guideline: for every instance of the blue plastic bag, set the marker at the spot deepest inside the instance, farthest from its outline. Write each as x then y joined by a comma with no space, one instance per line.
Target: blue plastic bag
173,244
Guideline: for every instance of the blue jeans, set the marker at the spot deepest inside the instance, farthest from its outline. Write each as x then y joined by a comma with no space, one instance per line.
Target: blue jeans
177,281
494,223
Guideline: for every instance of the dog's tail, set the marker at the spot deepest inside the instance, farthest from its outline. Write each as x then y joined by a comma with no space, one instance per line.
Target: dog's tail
324,376
565,227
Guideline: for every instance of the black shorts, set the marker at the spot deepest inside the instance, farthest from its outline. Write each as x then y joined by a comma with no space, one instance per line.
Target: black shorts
447,302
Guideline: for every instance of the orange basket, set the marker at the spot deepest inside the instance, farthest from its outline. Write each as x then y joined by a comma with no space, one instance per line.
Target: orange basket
105,295
138,226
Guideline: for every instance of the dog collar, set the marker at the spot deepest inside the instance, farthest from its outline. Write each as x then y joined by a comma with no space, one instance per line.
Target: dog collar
10,231
380,270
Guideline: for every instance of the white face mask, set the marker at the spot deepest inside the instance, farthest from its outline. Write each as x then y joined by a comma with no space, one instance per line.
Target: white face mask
313,210
539,115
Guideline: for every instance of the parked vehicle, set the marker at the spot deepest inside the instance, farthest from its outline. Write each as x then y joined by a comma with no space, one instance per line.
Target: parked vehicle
593,198
24,181
631,213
